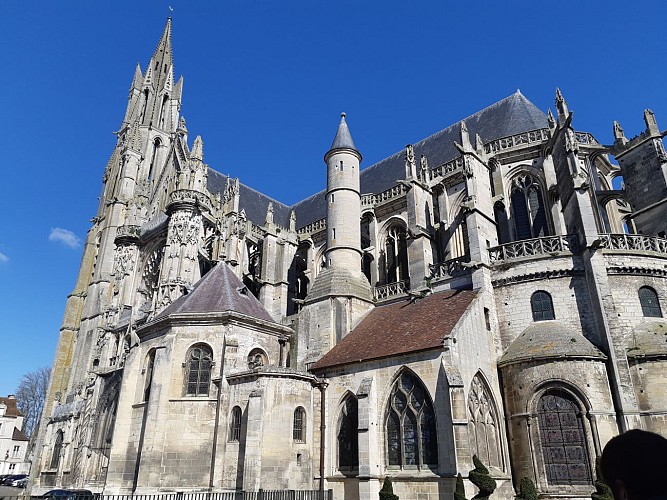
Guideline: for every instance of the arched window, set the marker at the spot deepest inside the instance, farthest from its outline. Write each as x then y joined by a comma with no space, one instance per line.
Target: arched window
483,424
563,439
299,427
198,373
257,358
410,425
235,424
348,437
148,374
57,449
542,306
156,145
395,255
528,210
649,301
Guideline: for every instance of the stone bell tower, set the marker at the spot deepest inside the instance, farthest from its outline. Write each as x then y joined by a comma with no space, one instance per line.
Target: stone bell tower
341,295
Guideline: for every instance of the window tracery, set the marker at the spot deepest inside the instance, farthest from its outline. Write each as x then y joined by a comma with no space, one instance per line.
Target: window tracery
483,426
410,425
528,210
257,358
395,258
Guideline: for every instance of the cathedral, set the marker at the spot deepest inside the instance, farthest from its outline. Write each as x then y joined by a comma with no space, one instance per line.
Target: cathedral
494,290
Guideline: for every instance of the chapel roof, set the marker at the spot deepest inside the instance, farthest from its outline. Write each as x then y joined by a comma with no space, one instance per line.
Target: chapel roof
649,338
401,328
220,290
12,407
511,115
549,339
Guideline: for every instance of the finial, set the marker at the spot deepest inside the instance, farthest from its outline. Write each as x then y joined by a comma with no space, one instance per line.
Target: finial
343,115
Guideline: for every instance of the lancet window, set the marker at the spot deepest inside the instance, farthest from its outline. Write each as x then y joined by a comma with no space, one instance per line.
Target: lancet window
235,424
299,427
528,210
198,370
410,425
395,255
483,428
348,437
57,449
563,439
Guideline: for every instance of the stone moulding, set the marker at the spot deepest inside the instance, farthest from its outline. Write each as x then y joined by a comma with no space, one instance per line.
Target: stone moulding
550,274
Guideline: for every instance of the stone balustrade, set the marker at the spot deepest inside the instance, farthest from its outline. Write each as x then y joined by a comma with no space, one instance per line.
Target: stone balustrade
633,242
448,268
389,290
547,245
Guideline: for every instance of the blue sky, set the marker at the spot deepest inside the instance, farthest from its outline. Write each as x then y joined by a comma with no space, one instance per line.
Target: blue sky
265,82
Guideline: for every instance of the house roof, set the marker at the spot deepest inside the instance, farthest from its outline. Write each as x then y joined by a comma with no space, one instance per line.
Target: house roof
18,435
401,328
649,338
547,340
509,116
219,290
12,407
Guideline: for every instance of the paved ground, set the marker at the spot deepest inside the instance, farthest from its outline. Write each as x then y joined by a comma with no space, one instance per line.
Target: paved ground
8,491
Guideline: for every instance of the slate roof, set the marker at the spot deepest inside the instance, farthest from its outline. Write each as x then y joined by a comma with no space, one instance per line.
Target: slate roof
648,339
218,291
549,339
509,116
12,407
400,328
343,139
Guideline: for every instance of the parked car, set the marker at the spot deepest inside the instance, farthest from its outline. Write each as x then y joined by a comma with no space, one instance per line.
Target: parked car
20,483
8,480
65,494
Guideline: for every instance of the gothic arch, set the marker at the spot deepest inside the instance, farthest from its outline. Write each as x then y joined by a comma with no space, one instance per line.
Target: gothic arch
484,429
528,204
347,437
410,436
257,357
393,252
198,368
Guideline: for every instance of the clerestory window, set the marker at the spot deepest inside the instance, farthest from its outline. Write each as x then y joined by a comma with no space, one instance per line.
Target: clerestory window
528,210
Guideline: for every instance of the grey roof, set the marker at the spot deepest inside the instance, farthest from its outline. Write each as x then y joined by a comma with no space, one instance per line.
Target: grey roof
218,291
546,340
648,339
253,202
509,116
343,139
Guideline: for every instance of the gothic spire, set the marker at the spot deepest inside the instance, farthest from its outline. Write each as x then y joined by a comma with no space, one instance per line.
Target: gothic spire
343,139
162,61
137,79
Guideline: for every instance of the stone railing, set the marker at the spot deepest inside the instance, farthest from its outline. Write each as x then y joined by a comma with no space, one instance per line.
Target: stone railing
391,289
256,230
446,168
514,141
128,232
546,245
586,138
448,268
190,196
313,227
633,242
370,200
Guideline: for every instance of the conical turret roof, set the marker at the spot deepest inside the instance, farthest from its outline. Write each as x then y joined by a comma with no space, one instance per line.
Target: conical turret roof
343,139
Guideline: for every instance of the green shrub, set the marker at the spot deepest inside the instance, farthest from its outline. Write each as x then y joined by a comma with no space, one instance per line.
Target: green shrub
480,477
602,489
460,492
387,491
527,490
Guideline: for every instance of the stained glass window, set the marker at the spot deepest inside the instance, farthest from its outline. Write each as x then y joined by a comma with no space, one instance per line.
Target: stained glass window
563,440
649,301
198,376
235,425
483,424
410,425
542,306
299,428
528,210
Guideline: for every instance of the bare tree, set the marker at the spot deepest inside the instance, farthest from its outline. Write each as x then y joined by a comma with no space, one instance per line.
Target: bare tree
30,397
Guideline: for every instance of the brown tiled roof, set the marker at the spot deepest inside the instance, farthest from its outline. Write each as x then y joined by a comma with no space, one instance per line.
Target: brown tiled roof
400,328
12,410
18,435
218,291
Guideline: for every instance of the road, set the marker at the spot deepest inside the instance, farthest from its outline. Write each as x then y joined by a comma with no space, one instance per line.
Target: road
9,491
